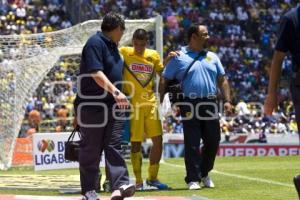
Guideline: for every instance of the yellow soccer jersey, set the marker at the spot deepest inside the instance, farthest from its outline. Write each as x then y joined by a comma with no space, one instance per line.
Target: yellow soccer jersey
140,71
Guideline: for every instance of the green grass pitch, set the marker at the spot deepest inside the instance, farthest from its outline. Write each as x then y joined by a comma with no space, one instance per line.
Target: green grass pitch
236,178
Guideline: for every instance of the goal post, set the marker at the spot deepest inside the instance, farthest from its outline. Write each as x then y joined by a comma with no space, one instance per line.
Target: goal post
25,60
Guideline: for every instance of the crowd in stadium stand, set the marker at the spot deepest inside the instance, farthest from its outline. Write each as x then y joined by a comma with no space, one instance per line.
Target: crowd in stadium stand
53,100
22,17
243,33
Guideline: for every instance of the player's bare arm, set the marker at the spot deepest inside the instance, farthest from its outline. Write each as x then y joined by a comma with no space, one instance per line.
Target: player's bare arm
163,82
171,55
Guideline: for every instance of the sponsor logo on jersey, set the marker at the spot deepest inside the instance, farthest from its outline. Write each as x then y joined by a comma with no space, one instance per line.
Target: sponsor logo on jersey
141,68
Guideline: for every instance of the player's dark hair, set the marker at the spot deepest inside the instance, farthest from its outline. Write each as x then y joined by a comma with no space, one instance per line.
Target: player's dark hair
112,21
140,34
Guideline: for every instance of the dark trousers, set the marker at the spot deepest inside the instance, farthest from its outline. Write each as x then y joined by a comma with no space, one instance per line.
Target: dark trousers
202,126
96,139
295,93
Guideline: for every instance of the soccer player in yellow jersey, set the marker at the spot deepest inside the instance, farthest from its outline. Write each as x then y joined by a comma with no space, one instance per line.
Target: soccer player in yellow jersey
141,66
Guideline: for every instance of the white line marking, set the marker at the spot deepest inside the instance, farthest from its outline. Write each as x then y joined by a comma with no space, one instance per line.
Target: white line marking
238,176
253,179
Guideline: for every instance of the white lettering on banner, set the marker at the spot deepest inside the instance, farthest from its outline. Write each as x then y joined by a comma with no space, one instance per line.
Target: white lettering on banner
229,152
258,150
271,152
176,150
277,140
293,152
239,152
283,152
261,152
173,150
250,152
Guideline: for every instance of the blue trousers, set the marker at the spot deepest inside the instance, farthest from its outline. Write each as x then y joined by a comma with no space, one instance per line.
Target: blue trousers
107,138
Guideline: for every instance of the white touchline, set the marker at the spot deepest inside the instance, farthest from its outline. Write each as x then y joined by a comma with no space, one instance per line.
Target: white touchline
253,179
238,176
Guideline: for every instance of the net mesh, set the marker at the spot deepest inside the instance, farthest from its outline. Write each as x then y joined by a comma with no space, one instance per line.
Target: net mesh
24,62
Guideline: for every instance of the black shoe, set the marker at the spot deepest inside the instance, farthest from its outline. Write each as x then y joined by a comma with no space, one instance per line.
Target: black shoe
297,184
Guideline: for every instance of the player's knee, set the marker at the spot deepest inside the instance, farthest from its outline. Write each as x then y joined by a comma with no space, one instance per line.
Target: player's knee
158,137
135,147
157,140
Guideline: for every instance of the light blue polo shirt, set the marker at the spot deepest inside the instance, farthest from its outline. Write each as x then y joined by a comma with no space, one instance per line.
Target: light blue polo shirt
201,80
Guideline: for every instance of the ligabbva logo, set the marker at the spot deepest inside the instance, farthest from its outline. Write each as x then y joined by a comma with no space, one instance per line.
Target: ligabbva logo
46,144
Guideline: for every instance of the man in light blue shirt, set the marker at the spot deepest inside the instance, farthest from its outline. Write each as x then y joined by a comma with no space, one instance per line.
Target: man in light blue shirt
199,108
201,80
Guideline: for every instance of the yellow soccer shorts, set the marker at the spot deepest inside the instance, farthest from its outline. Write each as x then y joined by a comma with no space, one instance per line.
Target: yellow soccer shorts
145,123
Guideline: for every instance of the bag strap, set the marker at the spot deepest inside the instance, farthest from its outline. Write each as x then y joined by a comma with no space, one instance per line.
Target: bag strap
192,63
75,130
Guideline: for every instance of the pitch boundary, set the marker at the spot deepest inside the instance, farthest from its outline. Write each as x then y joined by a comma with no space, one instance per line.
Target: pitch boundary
238,176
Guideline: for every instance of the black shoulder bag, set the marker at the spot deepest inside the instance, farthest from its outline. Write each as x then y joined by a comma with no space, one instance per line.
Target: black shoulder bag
174,87
72,147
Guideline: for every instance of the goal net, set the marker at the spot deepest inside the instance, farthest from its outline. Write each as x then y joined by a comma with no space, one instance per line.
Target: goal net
25,60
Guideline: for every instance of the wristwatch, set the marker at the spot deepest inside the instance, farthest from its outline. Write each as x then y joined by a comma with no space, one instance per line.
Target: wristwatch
116,93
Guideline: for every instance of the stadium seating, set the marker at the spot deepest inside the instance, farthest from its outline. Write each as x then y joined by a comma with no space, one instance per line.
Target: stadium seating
243,33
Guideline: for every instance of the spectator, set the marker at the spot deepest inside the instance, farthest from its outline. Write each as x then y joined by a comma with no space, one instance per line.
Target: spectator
242,49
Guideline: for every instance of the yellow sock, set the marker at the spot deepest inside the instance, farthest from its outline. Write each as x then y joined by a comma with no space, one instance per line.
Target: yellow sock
136,160
153,172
